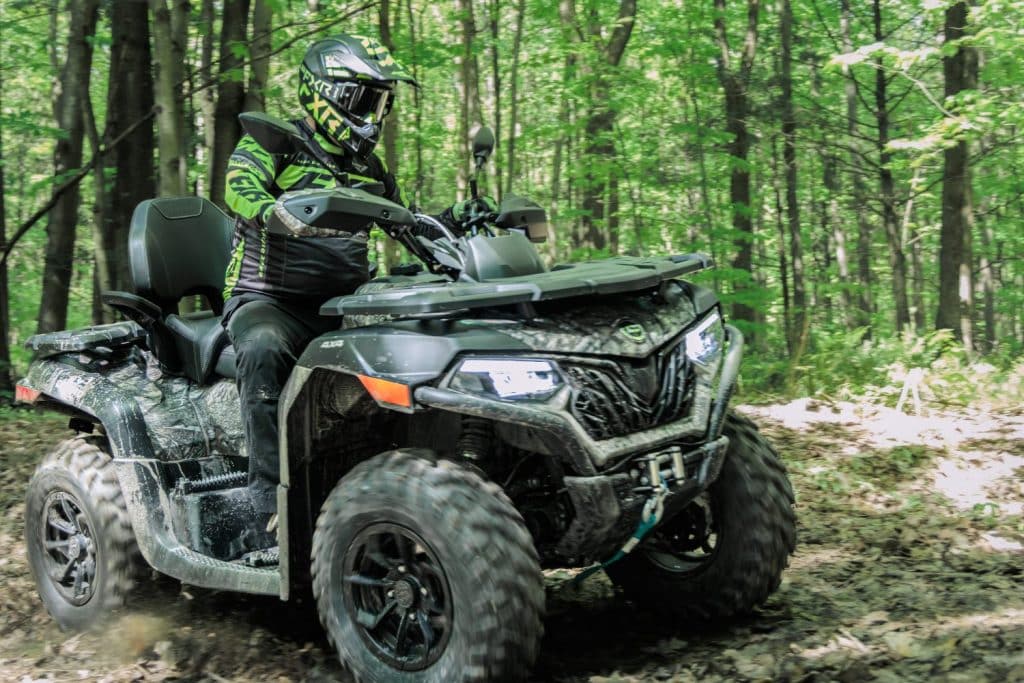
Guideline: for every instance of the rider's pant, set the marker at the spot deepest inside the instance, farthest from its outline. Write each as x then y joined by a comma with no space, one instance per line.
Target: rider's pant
268,337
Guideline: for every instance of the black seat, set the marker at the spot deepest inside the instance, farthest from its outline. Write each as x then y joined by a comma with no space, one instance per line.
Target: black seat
180,247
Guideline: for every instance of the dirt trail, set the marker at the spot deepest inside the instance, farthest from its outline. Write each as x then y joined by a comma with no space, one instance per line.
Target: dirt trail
910,567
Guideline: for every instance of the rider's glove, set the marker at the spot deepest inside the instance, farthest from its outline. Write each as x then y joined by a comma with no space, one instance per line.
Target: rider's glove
469,208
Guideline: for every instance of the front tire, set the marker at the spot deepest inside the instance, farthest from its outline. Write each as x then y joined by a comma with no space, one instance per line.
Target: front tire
81,547
423,572
724,554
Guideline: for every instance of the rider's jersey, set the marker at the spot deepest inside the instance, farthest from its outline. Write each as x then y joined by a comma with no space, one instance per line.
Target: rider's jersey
305,271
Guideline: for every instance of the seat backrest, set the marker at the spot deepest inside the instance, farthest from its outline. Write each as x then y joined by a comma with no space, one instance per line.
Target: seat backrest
179,246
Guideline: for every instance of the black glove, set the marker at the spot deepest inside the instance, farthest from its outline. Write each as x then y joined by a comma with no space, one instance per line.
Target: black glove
458,213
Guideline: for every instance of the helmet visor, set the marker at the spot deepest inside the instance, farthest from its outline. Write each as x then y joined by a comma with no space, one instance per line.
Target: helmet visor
366,102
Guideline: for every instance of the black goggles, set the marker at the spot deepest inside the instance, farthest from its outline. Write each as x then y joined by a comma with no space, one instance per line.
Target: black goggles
366,102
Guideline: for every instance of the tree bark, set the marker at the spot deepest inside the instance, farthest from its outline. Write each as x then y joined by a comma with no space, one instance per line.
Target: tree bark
734,80
102,268
864,299
887,185
230,95
6,382
129,98
417,104
469,91
63,219
783,262
513,124
494,20
170,24
600,147
799,330
207,96
392,252
259,55
956,304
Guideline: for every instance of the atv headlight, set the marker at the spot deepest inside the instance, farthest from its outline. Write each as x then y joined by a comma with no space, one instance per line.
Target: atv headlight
704,343
531,380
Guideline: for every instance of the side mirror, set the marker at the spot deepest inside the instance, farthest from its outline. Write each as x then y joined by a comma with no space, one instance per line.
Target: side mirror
273,134
483,145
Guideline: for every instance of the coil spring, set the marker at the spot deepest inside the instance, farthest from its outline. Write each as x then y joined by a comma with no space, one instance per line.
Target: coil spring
475,439
217,481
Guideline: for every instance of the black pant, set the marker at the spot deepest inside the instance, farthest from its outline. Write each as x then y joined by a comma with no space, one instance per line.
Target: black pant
268,337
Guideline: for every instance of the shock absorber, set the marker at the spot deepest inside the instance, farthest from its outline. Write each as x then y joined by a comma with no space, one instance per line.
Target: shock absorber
475,440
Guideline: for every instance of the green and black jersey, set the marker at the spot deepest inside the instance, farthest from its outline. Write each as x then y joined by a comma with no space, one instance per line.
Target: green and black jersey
305,271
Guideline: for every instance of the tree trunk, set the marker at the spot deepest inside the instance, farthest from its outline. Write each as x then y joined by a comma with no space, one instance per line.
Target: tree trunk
916,278
207,96
955,279
783,262
129,98
469,91
513,124
799,328
987,281
170,26
230,95
259,54
103,271
830,179
392,252
417,104
864,299
887,185
6,383
63,219
734,80
599,155
494,10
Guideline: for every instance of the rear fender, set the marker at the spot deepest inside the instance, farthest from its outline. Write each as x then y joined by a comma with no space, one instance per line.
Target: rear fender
61,380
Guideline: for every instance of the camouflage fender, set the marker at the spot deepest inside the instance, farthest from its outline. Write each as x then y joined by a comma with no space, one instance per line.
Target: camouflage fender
140,434
64,381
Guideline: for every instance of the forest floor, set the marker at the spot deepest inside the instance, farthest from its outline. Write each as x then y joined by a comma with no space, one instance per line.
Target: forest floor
910,567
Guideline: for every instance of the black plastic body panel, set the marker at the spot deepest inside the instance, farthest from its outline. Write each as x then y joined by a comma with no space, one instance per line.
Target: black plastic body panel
595,278
98,337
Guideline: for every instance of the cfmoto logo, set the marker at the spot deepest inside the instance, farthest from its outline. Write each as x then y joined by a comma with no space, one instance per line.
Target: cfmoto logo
634,333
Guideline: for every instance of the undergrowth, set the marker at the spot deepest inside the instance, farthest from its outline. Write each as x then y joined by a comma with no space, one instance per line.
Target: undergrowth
850,366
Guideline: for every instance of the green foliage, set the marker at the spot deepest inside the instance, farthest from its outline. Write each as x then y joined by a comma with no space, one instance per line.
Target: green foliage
670,157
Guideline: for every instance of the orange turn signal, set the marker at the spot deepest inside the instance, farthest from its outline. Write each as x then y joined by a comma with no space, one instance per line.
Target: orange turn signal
24,394
386,391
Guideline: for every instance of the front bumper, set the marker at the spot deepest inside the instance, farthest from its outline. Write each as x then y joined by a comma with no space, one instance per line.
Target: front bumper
561,433
609,507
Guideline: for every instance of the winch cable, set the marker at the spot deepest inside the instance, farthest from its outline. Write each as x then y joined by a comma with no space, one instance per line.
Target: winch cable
654,508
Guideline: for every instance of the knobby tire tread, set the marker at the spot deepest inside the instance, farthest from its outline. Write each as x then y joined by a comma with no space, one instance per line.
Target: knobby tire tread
498,548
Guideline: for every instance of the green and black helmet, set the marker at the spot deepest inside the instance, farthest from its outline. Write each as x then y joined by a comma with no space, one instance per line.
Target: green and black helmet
346,84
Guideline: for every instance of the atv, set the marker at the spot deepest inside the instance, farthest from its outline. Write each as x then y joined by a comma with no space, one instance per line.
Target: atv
470,422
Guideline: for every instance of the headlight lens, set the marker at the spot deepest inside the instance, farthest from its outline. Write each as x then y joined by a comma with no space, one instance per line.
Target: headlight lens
530,380
705,342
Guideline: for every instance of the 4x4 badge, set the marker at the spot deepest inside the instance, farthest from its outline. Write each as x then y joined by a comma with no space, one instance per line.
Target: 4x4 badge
634,333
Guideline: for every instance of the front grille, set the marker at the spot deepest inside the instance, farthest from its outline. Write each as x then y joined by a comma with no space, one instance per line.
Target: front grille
612,399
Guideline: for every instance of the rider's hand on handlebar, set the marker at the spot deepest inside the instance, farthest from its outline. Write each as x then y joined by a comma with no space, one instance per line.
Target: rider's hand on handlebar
469,209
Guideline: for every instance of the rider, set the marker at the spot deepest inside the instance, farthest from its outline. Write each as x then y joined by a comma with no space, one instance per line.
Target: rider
276,283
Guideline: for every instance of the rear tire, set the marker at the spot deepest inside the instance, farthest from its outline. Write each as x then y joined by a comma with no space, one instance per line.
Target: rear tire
753,527
450,551
81,547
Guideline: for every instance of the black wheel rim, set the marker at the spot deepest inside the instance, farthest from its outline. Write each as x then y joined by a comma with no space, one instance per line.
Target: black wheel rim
687,542
397,593
69,548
